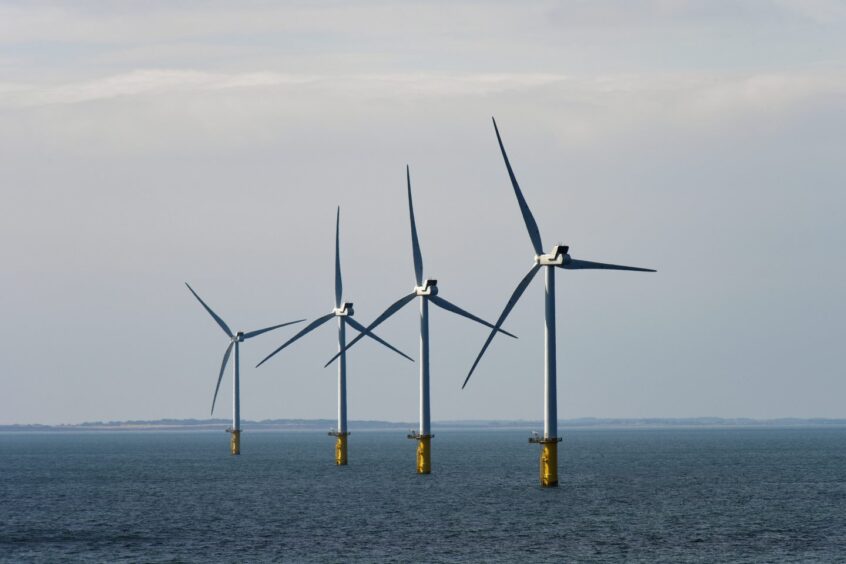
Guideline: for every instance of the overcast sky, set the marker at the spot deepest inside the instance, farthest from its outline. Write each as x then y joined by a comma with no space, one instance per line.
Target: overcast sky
143,145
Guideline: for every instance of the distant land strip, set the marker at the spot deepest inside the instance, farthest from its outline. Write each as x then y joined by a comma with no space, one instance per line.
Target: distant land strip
325,424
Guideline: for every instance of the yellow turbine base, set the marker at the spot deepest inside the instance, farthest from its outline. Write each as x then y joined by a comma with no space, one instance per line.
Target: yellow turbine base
235,442
341,449
549,464
424,454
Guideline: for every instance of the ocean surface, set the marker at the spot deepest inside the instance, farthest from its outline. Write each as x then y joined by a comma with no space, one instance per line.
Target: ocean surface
672,495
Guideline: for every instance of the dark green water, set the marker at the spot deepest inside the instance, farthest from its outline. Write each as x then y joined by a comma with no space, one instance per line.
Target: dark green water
728,495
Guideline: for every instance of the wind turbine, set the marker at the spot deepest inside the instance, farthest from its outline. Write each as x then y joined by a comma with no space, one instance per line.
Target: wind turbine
344,312
235,341
427,291
558,258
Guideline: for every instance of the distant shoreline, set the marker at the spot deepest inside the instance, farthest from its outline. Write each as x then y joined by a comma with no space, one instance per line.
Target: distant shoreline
326,424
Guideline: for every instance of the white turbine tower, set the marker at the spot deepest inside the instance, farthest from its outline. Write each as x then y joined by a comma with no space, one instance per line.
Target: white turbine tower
344,312
427,291
234,341
558,258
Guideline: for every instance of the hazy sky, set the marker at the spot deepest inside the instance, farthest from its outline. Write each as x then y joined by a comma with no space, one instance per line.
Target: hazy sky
143,145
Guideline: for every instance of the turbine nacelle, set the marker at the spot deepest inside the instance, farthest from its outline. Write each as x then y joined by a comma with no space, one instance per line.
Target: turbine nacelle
239,336
557,257
429,288
346,310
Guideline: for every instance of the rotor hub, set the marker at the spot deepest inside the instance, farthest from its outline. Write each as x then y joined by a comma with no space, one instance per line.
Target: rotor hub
429,288
346,310
557,257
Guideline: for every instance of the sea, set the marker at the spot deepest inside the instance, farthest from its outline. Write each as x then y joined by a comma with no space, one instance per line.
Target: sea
628,495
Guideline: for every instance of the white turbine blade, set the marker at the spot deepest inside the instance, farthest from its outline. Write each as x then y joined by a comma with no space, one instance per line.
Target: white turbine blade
512,301
362,329
442,303
311,326
395,307
574,264
528,218
415,244
339,286
257,332
220,376
216,317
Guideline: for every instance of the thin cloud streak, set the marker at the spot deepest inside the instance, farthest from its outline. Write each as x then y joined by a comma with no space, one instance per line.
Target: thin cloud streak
709,92
154,82
157,82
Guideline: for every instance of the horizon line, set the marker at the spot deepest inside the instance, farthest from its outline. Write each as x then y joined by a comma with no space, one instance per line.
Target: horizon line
571,422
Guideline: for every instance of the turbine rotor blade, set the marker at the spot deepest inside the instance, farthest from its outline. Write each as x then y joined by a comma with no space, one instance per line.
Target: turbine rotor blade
574,264
415,244
443,304
257,332
362,329
528,218
512,301
339,286
220,377
311,326
215,316
392,309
